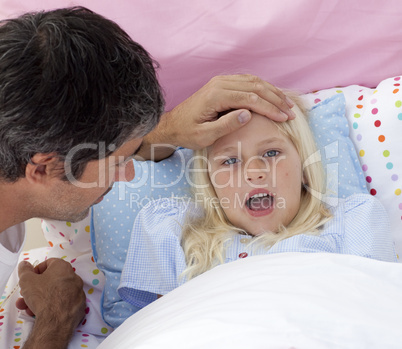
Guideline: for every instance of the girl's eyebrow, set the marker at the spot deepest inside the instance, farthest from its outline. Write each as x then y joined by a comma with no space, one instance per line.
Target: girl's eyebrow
231,148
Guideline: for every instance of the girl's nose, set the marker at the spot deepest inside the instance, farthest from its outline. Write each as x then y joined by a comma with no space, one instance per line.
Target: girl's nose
257,170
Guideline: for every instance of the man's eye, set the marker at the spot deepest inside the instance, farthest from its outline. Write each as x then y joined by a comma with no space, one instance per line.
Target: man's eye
230,161
271,153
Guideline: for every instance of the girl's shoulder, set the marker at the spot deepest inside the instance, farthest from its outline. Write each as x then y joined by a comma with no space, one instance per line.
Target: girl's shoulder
167,207
360,202
166,213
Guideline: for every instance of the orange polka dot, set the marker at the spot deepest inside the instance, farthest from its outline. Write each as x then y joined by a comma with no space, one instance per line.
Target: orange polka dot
381,138
359,106
61,246
87,229
50,243
396,90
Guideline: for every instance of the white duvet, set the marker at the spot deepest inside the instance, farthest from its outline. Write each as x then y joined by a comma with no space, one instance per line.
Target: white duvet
287,300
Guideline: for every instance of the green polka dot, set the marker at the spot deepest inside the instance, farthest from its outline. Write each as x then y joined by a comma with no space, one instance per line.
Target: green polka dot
386,153
104,330
95,272
357,115
338,91
398,104
68,224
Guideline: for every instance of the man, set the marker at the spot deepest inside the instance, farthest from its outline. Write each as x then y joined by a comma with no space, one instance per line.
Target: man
78,99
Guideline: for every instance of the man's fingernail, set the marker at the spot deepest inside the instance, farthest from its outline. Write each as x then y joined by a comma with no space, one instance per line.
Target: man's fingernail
244,117
285,116
289,102
293,114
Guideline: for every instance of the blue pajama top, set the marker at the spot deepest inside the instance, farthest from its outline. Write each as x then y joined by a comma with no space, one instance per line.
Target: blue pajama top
155,258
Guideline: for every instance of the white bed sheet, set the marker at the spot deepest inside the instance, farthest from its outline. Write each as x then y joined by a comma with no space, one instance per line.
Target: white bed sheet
289,300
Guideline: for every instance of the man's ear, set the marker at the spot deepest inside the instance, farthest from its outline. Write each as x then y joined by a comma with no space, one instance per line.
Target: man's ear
43,167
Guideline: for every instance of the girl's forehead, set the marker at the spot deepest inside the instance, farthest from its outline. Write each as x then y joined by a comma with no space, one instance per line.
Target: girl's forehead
258,129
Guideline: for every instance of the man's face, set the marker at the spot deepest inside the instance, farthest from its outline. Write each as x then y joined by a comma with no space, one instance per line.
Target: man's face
71,200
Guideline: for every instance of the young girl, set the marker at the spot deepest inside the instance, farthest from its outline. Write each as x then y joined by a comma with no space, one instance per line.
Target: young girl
258,190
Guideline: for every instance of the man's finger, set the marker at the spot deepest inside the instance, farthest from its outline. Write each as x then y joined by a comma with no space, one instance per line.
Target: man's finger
225,125
254,85
20,304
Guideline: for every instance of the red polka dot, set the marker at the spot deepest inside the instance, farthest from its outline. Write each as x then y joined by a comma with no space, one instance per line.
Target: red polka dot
243,255
317,100
373,191
368,179
381,138
374,111
360,98
397,78
377,123
397,84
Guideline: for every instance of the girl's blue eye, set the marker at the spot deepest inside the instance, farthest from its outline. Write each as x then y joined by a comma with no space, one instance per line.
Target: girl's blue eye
271,153
230,161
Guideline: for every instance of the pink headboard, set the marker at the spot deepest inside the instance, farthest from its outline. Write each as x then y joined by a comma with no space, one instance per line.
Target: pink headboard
299,44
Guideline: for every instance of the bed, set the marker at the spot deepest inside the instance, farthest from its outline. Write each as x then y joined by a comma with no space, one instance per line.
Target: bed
345,58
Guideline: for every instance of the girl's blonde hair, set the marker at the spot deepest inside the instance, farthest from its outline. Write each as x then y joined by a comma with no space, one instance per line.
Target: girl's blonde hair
204,238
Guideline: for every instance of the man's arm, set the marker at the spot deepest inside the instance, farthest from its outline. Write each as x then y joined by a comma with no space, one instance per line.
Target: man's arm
194,123
53,292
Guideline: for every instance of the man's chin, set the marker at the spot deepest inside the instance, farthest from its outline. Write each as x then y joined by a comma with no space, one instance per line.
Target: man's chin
79,216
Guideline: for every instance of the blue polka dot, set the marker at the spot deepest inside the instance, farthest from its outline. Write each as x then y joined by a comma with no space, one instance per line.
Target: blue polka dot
390,165
355,125
400,116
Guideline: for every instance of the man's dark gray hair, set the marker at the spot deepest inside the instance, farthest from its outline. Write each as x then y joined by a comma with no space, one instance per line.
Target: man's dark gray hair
67,77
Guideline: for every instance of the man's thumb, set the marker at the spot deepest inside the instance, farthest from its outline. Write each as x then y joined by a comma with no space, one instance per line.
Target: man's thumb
25,267
228,123
243,116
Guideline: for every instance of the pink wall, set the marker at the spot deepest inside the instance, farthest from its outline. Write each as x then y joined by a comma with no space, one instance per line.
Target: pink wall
300,44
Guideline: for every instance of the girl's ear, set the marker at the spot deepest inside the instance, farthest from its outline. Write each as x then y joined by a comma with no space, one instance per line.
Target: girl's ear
43,167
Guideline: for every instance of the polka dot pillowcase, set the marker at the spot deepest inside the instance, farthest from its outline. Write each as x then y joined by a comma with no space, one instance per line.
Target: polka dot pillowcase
113,218
375,119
